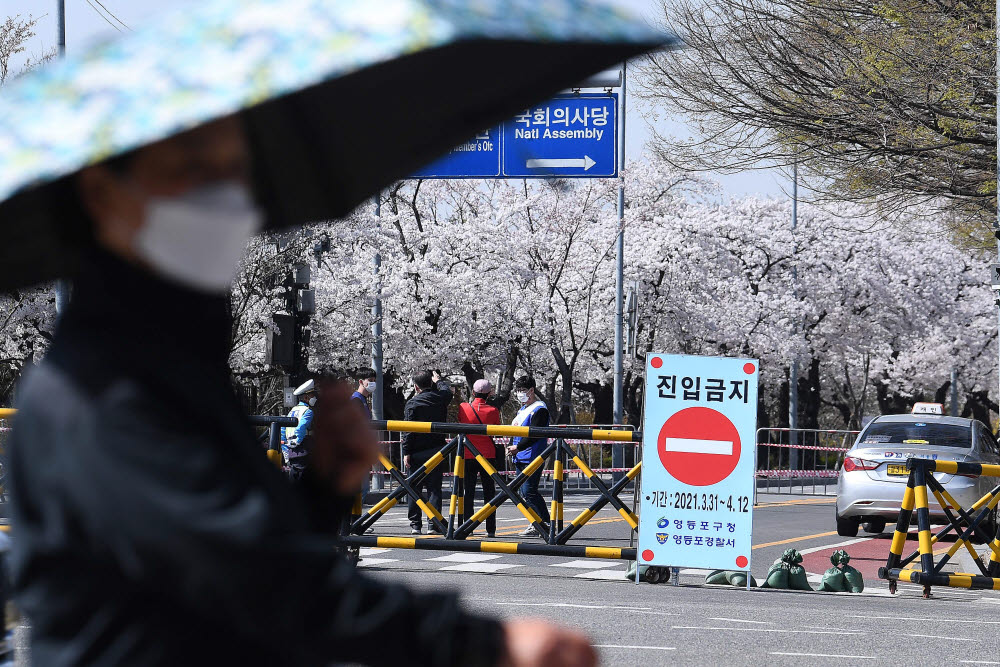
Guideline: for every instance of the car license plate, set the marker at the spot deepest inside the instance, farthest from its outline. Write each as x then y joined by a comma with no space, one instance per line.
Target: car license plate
896,470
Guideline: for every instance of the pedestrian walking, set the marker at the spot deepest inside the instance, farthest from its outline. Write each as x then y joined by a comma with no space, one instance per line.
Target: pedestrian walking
533,412
478,411
295,447
429,403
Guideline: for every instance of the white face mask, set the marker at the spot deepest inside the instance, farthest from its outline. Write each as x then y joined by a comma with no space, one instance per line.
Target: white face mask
198,238
521,396
312,401
371,387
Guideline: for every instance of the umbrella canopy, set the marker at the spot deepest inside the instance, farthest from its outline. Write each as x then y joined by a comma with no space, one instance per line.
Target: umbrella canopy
339,98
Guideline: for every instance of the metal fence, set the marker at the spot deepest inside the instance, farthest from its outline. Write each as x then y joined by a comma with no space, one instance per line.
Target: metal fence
801,461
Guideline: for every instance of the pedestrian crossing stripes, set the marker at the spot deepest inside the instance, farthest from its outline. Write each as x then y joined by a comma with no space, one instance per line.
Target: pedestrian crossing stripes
375,557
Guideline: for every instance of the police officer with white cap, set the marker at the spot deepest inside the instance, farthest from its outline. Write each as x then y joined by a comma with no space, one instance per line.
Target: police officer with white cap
295,447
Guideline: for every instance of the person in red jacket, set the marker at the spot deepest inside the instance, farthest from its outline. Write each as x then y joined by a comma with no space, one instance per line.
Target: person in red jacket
479,412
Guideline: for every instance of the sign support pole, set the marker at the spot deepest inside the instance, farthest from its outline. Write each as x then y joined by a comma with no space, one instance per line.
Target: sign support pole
793,372
62,286
618,450
377,405
997,223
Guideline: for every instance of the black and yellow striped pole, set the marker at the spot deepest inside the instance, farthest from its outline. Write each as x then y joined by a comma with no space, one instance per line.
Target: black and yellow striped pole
589,513
923,519
489,547
456,508
902,529
558,473
406,489
548,432
506,492
612,498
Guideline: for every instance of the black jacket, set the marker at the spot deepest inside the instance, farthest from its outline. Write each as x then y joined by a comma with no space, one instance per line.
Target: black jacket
149,527
427,406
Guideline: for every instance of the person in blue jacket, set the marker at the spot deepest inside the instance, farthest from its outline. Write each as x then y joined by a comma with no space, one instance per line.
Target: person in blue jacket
295,448
533,412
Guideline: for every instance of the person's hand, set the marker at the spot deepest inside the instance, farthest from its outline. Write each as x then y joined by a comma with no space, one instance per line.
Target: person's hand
512,449
406,460
535,642
435,377
344,444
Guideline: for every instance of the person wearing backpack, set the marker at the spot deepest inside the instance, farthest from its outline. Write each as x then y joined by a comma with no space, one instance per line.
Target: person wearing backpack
478,411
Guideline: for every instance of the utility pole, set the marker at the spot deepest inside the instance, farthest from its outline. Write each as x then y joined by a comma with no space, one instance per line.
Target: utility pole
954,392
997,222
617,449
62,286
377,405
793,372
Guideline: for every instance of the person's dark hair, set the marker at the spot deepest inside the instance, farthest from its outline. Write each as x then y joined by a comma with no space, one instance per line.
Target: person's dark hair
364,374
482,396
423,380
525,382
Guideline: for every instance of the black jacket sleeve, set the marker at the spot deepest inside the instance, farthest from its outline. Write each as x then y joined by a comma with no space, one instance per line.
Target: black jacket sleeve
444,392
181,517
406,439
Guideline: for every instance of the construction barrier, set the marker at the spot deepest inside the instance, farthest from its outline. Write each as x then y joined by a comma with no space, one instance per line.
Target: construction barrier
968,524
553,532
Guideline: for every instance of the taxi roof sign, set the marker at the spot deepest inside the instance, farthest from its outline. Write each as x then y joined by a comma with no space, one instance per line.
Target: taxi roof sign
927,409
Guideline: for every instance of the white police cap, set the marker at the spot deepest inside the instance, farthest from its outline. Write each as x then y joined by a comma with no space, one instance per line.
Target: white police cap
305,388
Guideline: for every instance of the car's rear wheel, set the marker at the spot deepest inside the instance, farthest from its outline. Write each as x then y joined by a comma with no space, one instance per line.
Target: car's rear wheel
847,527
874,526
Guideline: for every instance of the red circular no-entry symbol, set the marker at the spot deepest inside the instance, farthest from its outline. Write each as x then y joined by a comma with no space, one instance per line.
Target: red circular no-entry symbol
699,446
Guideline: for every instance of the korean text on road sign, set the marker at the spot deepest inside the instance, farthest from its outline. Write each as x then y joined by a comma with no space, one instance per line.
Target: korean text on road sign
698,462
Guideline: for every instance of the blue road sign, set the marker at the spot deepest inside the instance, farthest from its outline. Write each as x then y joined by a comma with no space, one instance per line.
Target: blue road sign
698,450
569,136
477,158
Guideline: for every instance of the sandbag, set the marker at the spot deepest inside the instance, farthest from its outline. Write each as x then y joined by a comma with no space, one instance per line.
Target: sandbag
797,578
777,576
833,581
717,577
855,580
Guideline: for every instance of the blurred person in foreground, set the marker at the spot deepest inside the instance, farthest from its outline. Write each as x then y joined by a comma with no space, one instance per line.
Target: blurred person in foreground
149,527
429,403
478,411
298,439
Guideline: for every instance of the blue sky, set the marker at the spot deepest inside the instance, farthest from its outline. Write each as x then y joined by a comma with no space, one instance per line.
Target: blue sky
84,24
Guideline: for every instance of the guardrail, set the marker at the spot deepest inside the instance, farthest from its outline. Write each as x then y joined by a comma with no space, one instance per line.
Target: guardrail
801,461
966,525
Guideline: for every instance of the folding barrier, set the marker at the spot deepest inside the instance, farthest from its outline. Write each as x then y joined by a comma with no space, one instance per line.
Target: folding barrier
554,533
965,525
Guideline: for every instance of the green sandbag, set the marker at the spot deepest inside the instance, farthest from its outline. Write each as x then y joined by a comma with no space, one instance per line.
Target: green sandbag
797,578
736,578
777,576
855,582
833,581
739,579
717,577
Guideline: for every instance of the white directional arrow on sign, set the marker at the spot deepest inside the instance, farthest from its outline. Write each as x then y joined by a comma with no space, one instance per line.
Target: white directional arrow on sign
553,163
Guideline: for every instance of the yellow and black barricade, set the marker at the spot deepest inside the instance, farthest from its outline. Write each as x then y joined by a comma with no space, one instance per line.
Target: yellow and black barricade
554,533
967,526
406,488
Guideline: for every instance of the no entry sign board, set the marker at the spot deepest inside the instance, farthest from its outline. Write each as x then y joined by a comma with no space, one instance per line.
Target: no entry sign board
698,462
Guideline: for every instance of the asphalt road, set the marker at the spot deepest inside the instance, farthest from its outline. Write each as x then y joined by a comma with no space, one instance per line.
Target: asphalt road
692,623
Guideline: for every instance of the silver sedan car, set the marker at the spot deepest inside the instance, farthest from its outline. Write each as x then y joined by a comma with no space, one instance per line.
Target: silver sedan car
873,476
